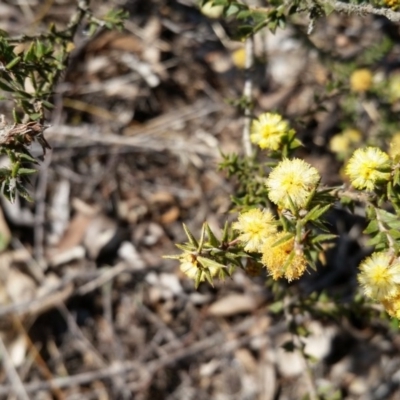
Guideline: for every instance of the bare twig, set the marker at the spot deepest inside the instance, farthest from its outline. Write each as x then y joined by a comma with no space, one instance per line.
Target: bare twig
41,364
40,211
149,369
16,385
308,375
361,9
339,6
247,94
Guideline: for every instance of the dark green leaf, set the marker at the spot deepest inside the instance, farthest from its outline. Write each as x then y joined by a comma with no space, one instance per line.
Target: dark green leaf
191,238
316,213
211,237
243,14
276,307
5,86
26,171
13,63
208,263
379,238
372,227
323,238
284,239
231,10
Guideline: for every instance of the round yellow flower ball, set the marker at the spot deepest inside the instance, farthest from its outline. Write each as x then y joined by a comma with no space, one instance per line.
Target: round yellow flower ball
361,80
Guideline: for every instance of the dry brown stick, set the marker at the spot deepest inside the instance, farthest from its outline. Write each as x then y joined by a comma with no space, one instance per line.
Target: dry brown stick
44,370
248,96
77,332
40,211
361,9
16,384
150,368
40,304
153,136
115,351
61,292
104,277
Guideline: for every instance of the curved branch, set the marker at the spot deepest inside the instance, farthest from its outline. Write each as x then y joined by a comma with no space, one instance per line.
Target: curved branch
360,9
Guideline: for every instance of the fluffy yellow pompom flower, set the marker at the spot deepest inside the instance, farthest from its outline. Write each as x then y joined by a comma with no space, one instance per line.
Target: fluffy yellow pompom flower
394,87
268,131
341,142
392,306
275,258
361,80
255,226
294,178
368,167
380,277
211,11
394,149
239,58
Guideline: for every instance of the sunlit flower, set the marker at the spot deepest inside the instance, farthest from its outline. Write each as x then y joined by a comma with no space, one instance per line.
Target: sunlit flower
392,306
254,227
342,142
190,267
394,4
394,87
394,148
361,80
239,58
211,11
368,167
380,276
268,131
275,258
294,178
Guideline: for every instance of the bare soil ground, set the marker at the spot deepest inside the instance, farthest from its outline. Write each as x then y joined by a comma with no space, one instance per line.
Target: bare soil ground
88,308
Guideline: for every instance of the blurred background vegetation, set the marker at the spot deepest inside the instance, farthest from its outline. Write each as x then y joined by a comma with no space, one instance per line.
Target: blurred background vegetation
137,117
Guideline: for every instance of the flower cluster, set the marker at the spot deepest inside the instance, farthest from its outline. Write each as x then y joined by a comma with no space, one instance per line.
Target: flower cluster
254,227
394,87
345,142
269,130
368,168
393,4
380,279
361,80
258,233
394,148
292,182
281,259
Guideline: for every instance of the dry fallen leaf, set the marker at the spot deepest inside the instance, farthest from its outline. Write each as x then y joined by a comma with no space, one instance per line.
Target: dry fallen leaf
234,304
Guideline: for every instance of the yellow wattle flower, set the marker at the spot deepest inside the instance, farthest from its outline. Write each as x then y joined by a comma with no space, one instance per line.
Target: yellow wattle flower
275,257
394,147
379,276
392,306
368,167
294,178
268,131
394,87
342,142
254,227
239,58
361,80
393,4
